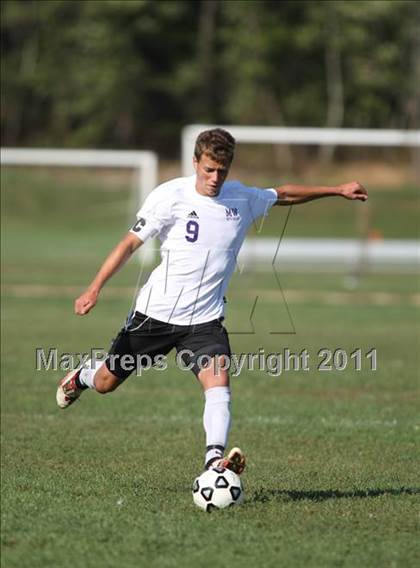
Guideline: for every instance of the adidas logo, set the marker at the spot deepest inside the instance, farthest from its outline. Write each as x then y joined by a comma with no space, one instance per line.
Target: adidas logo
193,214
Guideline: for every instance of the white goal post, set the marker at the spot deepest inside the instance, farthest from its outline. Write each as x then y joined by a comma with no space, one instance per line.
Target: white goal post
288,135
144,164
294,252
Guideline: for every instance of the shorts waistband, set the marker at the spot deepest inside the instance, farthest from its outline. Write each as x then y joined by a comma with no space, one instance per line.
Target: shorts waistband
151,319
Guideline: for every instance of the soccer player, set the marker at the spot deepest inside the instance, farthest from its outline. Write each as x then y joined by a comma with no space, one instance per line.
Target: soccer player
201,222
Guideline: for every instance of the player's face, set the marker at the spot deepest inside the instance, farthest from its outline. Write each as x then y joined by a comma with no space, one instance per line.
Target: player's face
210,175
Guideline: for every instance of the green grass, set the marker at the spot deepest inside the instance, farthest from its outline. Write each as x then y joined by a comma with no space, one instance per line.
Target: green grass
332,477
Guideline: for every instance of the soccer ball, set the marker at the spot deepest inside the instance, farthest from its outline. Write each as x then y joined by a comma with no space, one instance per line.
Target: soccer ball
217,488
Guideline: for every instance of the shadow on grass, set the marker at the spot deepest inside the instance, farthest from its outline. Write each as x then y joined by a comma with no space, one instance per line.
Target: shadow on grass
264,495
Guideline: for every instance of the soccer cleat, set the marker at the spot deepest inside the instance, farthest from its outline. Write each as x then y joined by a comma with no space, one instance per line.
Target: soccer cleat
235,461
68,391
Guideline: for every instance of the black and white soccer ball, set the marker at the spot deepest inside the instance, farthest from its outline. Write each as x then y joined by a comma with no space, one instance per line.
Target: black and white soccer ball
217,488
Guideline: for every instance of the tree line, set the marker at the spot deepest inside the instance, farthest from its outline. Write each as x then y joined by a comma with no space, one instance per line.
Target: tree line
132,73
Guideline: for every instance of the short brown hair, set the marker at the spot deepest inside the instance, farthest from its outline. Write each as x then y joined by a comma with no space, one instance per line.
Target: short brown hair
216,143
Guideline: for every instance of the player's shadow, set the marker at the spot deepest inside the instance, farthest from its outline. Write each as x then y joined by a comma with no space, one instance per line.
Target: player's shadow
263,495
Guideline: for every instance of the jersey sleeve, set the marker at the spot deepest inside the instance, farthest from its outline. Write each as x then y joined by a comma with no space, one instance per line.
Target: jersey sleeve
261,201
153,216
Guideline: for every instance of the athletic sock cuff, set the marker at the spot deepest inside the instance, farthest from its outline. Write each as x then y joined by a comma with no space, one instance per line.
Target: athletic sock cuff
217,394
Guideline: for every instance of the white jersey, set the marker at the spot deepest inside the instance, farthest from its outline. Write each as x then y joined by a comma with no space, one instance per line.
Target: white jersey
201,237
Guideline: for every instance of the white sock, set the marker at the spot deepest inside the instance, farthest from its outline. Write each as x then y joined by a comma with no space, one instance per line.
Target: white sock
216,421
87,374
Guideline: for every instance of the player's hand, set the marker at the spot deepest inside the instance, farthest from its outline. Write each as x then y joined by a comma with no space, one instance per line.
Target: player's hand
353,190
85,302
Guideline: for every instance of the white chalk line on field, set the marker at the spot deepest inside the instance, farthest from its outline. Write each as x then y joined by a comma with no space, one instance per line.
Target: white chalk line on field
328,422
332,298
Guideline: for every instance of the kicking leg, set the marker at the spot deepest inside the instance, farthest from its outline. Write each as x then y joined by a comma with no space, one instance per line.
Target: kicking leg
101,379
95,375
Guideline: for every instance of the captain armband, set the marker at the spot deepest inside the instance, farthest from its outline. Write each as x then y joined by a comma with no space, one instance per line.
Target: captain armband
144,229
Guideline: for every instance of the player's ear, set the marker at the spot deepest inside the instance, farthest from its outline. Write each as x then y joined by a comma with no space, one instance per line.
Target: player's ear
195,163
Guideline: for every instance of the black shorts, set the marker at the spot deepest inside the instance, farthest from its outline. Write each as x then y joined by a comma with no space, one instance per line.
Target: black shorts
148,339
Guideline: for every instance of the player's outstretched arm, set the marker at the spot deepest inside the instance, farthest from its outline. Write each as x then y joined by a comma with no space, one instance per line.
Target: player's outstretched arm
294,194
114,261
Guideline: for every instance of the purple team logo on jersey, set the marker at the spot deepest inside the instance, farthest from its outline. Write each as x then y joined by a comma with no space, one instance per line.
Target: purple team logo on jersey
232,214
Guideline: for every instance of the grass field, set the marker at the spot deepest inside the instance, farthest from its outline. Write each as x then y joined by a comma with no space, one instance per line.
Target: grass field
333,456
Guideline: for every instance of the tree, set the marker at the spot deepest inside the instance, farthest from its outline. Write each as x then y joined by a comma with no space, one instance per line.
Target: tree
118,73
